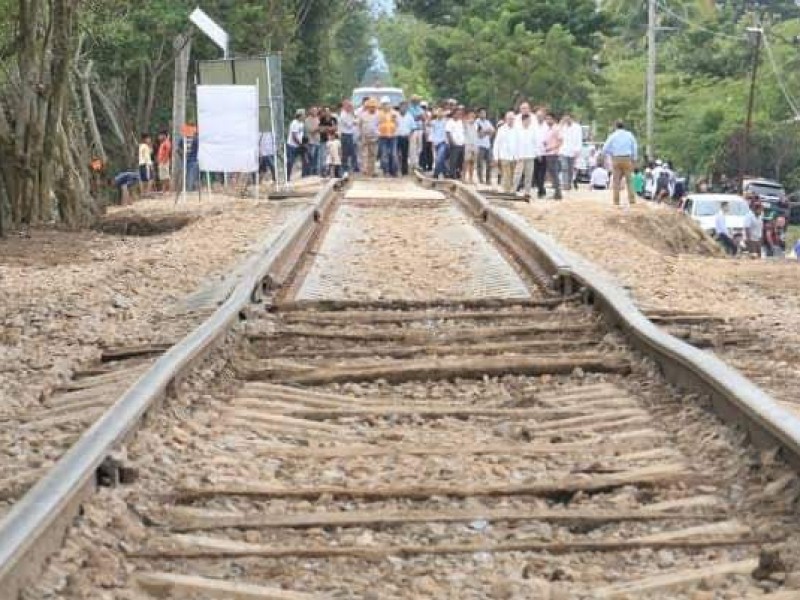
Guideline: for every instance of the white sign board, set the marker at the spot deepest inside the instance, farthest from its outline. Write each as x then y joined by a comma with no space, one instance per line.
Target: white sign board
227,128
207,25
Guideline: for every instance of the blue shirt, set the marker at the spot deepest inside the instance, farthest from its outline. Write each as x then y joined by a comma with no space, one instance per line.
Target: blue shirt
621,143
405,125
415,110
438,133
126,178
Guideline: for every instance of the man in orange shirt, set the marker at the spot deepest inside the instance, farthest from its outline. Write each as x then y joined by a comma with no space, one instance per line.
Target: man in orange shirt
387,138
164,161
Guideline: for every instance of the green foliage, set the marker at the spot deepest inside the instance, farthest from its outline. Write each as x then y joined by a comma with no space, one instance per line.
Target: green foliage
404,41
497,53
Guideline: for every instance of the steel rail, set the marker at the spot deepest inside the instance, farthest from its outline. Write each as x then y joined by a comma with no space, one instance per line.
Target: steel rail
36,523
735,398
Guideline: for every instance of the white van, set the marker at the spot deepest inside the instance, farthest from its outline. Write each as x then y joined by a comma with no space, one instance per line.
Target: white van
395,95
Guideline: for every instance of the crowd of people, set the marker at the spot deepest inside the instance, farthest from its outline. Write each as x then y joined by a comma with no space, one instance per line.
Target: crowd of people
524,149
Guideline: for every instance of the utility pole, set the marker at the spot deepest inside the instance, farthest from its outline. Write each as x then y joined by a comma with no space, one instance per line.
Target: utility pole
651,75
748,126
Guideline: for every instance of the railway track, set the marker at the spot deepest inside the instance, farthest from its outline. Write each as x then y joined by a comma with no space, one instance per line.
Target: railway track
415,416
33,440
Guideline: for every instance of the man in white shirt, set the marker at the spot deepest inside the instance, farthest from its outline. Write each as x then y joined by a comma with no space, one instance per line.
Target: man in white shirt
721,229
572,135
455,139
540,164
599,178
505,151
266,154
294,143
485,133
348,126
754,229
405,127
527,150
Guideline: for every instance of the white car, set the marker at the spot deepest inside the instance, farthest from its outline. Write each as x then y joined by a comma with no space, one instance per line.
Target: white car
395,95
702,208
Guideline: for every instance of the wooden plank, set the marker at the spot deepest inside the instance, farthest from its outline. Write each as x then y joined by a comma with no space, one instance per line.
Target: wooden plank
592,428
422,336
702,501
479,303
603,463
596,447
558,484
448,368
380,316
113,378
545,417
287,391
183,519
405,351
110,391
707,531
125,352
288,422
81,416
258,391
171,583
195,546
677,579
280,429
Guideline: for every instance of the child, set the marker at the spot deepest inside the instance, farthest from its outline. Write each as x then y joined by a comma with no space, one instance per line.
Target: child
470,148
145,163
599,179
334,149
638,182
126,182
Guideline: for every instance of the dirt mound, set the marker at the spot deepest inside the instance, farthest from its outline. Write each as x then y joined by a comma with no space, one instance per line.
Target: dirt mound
142,226
667,231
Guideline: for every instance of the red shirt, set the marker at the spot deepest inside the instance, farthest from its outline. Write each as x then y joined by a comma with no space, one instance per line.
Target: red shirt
164,153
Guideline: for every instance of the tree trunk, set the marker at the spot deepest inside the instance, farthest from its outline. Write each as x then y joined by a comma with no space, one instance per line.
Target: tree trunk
112,114
88,106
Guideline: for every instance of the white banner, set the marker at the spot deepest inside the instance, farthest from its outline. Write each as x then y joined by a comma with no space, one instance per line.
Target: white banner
227,127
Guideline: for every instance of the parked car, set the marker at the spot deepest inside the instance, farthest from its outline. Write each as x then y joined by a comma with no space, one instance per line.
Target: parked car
771,195
395,95
702,208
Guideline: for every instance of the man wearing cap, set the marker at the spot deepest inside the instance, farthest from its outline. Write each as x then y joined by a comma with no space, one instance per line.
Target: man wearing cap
415,139
387,142
368,136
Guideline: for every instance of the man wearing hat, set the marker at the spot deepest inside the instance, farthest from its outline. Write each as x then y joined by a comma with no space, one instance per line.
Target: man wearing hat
368,136
417,113
388,121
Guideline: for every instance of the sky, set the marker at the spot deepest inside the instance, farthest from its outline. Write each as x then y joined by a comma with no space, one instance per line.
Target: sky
382,5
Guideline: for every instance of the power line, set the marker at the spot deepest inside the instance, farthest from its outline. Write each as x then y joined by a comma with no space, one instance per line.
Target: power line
692,24
781,84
